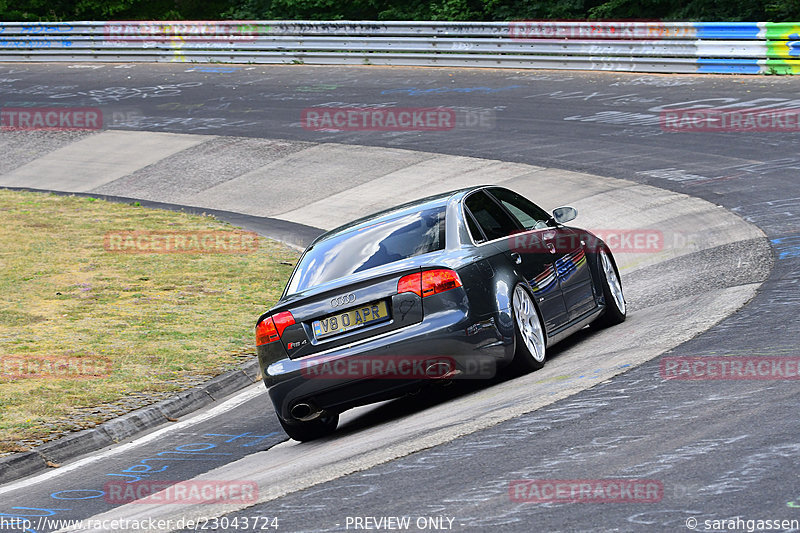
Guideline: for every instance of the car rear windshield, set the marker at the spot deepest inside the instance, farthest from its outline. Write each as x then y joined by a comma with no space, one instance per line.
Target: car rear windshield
370,246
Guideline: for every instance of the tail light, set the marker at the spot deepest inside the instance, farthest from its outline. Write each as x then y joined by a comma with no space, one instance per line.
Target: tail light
429,282
410,283
271,328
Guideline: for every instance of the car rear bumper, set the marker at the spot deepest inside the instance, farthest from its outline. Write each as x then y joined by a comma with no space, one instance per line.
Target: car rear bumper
391,364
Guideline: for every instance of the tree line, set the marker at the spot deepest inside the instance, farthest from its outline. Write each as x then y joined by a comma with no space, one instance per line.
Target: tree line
442,10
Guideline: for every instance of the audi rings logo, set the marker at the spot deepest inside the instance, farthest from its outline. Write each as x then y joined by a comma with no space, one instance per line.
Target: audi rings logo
343,300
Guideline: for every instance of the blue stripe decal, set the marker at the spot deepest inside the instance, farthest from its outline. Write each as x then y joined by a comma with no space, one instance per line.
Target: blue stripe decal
794,46
727,30
728,66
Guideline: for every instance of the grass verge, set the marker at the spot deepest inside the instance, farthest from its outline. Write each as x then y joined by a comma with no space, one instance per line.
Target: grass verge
160,321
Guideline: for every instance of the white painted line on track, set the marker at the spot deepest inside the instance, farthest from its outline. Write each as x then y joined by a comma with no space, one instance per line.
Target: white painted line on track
231,403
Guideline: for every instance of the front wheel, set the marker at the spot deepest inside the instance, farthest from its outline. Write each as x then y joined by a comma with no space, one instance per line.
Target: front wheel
616,308
530,338
313,429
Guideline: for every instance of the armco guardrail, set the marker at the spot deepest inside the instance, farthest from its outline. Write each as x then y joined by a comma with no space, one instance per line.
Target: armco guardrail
679,47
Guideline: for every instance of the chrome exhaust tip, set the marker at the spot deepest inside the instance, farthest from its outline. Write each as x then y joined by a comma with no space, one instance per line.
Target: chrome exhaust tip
441,370
305,412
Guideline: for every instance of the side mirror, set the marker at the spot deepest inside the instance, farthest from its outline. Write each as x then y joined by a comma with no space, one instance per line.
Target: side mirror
562,215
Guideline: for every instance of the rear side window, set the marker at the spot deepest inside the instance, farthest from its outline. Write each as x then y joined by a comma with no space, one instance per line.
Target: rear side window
474,230
530,215
370,246
492,219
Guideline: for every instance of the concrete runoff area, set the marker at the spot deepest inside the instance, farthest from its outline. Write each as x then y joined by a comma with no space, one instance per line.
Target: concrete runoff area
97,160
313,191
303,177
428,177
180,177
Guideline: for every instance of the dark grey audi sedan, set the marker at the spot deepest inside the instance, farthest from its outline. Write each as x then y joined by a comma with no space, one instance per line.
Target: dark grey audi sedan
450,286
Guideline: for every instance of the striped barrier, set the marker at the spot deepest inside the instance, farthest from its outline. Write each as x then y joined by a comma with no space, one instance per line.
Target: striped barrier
670,47
783,47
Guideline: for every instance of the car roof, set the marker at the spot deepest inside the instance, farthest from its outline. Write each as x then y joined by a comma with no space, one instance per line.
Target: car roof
421,204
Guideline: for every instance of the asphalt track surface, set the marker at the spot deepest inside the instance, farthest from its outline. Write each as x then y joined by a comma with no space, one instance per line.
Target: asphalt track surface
721,449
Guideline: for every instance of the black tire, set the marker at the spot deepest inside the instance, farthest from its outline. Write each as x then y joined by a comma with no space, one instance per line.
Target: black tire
524,361
311,430
613,314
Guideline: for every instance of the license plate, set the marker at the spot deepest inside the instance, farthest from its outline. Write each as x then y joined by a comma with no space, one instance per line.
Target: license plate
352,319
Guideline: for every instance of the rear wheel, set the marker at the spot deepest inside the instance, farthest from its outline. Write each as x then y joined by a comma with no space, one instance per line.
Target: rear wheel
616,308
313,429
530,338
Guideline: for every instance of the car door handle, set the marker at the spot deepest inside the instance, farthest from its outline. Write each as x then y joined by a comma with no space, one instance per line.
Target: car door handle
516,257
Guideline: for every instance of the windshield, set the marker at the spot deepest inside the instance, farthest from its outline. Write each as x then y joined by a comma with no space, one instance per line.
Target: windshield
370,246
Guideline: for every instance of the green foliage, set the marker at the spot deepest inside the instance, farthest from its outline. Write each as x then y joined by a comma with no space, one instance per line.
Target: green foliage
782,10
732,10
486,10
66,10
633,9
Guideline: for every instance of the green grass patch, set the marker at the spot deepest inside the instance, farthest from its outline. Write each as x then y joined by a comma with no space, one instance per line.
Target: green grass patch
163,321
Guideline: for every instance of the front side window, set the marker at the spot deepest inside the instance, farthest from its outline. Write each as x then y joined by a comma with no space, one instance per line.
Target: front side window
530,215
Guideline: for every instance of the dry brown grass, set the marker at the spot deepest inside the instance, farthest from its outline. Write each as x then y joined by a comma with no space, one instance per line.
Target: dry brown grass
163,321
